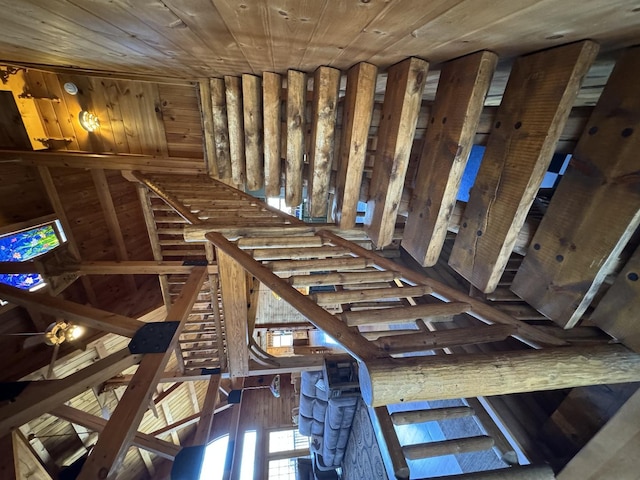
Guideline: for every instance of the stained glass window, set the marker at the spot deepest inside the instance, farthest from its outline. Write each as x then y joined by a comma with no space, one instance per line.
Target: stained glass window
25,245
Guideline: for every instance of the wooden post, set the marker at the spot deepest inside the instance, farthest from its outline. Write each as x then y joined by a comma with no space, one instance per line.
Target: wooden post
296,102
201,437
400,380
40,397
326,82
358,108
455,115
271,88
430,415
116,437
235,120
403,99
220,128
398,460
252,107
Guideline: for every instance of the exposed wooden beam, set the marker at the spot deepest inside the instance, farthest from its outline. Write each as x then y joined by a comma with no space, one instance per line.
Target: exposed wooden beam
205,423
354,343
210,157
145,163
97,424
113,443
326,83
595,209
137,267
479,309
58,208
8,452
111,218
81,314
396,380
220,128
403,98
168,198
271,91
189,420
235,120
455,115
42,396
252,110
358,109
535,107
296,103
234,302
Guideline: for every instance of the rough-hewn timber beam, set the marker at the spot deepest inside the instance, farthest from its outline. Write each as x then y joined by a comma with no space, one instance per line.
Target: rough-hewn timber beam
116,437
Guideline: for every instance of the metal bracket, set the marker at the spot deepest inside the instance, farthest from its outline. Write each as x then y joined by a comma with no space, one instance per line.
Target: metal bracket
153,337
9,391
194,262
210,371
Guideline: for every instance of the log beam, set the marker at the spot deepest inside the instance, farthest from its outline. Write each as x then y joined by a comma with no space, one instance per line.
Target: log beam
399,380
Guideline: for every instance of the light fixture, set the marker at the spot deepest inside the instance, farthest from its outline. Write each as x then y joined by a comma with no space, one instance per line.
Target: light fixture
62,331
70,88
89,121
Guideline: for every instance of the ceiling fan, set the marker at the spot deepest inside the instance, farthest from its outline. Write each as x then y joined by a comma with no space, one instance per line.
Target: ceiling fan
55,335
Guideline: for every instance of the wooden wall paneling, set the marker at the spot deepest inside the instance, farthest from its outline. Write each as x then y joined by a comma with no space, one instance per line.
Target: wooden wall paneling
296,102
234,303
271,91
615,312
206,107
454,119
117,116
45,101
180,112
252,108
357,113
220,128
22,195
611,453
594,211
58,208
111,219
149,98
233,92
541,89
326,82
403,98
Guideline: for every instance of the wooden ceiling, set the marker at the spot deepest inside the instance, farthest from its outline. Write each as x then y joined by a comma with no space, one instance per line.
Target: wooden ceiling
205,38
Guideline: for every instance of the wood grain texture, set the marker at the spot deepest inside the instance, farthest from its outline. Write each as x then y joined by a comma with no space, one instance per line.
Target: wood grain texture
234,303
615,313
220,127
357,112
395,380
541,89
296,101
403,98
455,115
271,92
326,82
235,121
612,452
252,107
595,209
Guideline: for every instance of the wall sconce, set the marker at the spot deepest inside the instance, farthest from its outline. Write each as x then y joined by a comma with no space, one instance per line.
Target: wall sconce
89,121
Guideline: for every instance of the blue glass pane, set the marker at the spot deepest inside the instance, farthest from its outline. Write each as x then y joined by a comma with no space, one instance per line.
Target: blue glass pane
23,246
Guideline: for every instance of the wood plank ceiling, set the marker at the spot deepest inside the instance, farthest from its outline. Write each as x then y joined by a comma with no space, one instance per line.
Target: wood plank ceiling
190,39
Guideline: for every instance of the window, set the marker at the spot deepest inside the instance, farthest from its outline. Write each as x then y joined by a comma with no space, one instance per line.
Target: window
285,446
214,459
27,244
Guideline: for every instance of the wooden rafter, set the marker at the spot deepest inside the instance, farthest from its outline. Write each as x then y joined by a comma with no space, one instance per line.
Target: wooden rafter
116,437
42,396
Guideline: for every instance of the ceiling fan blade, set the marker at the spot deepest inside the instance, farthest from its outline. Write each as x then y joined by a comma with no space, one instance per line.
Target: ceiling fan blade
33,340
54,357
